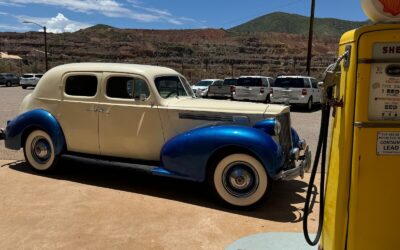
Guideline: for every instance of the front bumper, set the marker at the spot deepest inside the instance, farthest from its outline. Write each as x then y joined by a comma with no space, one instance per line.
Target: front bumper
2,134
303,164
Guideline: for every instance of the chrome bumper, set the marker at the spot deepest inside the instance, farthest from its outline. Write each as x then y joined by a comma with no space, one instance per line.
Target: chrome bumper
2,134
302,166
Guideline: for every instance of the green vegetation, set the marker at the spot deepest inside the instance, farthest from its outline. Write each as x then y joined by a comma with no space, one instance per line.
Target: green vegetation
297,24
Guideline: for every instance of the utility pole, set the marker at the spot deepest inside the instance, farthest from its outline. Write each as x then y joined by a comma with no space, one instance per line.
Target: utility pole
45,41
310,37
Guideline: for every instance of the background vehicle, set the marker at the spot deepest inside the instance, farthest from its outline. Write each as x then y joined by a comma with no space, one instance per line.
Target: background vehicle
200,89
29,80
9,79
253,88
223,90
298,90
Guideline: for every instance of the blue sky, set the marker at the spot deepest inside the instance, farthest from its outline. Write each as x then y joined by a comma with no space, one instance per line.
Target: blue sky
71,15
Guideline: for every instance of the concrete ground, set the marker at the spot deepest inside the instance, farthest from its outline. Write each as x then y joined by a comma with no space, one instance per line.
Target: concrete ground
99,207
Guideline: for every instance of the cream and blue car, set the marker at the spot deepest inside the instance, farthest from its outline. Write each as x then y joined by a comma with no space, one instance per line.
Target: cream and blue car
147,118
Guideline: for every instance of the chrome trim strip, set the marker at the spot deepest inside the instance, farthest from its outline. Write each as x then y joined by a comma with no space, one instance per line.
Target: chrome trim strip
206,117
370,61
376,125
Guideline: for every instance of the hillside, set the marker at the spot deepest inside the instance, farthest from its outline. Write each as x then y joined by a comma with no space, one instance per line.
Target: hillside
297,24
201,53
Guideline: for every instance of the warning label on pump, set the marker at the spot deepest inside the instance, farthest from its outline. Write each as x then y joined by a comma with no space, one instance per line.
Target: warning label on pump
388,143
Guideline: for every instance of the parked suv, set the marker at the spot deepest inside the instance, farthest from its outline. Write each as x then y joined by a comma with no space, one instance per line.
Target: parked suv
253,88
201,88
30,80
297,90
223,90
9,79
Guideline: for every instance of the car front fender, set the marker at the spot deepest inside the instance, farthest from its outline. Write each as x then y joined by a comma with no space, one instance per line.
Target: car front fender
189,153
31,120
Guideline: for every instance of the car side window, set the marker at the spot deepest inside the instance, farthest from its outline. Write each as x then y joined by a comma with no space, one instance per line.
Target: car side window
264,82
218,83
307,83
127,88
314,83
81,85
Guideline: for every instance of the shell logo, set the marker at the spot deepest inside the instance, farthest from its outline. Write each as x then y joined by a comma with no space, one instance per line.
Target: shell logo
382,10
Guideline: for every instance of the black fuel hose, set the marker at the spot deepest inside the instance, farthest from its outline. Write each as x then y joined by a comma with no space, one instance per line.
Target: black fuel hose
321,148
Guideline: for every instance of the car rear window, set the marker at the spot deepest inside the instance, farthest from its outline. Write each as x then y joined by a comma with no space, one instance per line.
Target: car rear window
230,82
27,76
203,83
81,85
249,82
289,83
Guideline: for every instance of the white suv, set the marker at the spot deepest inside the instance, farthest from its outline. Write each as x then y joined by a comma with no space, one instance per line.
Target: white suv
253,88
29,80
296,90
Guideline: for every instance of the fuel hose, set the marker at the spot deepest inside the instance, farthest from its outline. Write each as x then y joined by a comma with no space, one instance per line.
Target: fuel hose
321,152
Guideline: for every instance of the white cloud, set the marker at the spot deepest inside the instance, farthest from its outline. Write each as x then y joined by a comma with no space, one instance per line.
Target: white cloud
110,8
57,24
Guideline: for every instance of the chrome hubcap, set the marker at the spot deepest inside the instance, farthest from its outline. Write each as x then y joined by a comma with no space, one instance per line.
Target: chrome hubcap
41,150
240,179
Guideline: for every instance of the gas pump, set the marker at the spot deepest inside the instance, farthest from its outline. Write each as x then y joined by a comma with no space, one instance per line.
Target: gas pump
359,207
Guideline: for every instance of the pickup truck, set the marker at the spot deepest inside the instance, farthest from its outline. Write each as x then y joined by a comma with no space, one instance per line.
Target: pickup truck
222,90
147,118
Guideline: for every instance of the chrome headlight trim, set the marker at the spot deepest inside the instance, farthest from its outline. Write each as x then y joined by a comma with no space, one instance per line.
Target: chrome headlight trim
277,127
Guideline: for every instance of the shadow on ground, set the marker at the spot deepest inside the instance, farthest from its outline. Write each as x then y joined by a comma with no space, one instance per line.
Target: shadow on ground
280,205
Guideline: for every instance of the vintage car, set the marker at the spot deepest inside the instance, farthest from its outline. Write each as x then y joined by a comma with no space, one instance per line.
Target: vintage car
147,118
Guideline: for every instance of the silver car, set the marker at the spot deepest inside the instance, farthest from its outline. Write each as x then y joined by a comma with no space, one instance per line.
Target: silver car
30,80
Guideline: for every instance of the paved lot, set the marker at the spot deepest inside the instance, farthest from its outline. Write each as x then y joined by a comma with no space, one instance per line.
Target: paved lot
86,206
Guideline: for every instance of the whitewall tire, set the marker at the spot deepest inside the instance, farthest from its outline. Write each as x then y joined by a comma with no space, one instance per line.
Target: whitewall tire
39,151
240,180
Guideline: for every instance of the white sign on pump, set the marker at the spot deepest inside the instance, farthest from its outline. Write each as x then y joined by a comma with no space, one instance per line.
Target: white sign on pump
382,10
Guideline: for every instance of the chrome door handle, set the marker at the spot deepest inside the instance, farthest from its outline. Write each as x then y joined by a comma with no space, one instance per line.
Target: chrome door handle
92,110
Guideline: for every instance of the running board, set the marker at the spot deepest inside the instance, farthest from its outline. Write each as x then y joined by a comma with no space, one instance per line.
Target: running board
155,170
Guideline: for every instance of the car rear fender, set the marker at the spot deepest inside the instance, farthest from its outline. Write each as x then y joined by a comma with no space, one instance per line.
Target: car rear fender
18,129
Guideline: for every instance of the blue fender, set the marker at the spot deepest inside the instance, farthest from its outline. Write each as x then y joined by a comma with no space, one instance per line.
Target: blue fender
187,154
40,119
295,138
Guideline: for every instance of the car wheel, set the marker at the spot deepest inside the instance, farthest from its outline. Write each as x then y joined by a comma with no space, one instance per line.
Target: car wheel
239,180
39,151
309,105
8,84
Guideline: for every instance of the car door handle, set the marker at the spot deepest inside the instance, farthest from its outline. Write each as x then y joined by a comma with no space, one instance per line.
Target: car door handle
92,110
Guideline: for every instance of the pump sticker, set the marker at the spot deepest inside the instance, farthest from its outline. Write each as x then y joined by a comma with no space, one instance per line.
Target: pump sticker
388,143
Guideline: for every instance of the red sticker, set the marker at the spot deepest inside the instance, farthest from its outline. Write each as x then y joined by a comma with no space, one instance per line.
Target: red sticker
391,6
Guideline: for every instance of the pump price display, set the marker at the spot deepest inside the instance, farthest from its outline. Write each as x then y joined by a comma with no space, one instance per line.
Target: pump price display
384,97
388,143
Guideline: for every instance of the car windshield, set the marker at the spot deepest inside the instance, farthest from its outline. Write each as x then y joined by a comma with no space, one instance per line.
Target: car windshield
27,76
230,82
249,82
172,86
203,83
289,83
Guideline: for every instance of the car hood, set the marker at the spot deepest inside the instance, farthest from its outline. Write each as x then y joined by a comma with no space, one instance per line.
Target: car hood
224,106
199,87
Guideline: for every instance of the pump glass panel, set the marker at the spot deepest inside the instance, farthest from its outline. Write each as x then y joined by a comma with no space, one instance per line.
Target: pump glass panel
384,97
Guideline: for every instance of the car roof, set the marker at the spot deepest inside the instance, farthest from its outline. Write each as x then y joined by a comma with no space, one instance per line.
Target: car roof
210,80
295,77
255,77
139,69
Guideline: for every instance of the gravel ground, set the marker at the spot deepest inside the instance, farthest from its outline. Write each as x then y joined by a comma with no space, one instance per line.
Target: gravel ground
306,123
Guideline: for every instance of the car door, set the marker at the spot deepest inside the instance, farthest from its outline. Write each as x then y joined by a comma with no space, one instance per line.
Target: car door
129,121
77,112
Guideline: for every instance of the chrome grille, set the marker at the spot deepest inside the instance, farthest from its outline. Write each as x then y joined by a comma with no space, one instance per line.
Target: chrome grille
285,137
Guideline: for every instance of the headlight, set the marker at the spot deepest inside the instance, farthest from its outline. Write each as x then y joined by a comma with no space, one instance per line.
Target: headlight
277,127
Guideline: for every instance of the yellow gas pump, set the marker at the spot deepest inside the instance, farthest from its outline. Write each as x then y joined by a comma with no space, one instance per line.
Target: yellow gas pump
362,198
